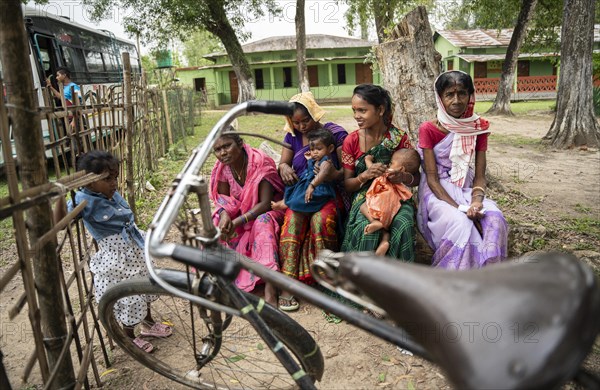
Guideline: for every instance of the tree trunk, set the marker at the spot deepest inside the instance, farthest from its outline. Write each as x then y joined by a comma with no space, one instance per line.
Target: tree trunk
382,14
223,30
31,153
574,123
409,65
501,104
301,47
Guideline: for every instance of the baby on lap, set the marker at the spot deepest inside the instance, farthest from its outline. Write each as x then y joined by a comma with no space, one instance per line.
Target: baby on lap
383,199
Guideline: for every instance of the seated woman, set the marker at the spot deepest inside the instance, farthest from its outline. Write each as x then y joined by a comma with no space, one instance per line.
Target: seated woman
304,234
448,145
243,183
372,107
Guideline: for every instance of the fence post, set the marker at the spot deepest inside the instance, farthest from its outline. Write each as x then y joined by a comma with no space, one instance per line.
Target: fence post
50,317
167,116
129,130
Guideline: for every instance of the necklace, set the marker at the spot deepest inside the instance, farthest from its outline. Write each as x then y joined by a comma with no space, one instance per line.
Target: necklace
238,175
378,139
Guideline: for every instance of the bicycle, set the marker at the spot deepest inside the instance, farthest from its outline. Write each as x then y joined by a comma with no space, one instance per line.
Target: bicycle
223,337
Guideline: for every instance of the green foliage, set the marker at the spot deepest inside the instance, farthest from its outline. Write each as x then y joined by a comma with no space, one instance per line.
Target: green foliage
197,45
160,21
597,101
492,14
386,13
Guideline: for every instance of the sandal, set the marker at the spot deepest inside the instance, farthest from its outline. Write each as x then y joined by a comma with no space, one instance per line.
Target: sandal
331,318
143,344
157,330
288,303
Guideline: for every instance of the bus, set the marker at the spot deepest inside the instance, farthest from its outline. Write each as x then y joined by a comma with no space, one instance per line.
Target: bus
93,56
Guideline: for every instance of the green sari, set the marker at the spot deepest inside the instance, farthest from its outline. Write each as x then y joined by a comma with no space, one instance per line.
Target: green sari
402,228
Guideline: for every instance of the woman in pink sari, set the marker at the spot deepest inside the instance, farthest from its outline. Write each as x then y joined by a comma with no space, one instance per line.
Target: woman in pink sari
243,183
464,227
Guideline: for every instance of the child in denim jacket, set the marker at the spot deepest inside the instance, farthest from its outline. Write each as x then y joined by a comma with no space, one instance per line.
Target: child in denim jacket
120,255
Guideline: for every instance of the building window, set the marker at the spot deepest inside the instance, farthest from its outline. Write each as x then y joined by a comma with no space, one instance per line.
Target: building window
200,84
287,77
258,79
341,73
450,65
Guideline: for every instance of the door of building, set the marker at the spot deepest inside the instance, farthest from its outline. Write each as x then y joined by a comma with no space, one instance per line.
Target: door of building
481,70
364,75
313,76
233,87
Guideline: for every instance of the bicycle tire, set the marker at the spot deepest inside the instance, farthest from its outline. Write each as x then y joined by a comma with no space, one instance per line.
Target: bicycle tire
246,363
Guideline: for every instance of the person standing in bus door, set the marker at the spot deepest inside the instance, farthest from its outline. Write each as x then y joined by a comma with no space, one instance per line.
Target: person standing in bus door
63,76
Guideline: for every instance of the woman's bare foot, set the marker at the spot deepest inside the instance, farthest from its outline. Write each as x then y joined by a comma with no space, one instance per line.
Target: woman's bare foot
373,227
271,294
279,205
384,244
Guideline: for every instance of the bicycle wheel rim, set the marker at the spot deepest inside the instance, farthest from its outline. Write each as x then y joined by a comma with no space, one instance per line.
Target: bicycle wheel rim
243,361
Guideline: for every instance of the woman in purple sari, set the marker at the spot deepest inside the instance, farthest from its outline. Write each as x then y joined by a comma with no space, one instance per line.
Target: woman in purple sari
303,235
463,227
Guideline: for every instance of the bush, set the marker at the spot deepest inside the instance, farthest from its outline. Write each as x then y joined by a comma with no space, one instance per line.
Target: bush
597,100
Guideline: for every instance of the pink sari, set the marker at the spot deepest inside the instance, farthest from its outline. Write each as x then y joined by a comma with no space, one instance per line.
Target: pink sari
257,239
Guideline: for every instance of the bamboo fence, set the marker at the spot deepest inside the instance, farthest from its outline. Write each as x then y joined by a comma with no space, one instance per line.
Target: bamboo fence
138,125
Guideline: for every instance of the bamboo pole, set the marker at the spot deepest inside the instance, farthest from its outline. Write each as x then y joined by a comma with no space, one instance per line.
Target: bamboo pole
127,104
167,116
30,149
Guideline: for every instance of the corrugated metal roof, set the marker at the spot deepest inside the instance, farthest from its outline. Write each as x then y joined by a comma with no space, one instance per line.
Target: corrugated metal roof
501,57
477,38
313,41
489,37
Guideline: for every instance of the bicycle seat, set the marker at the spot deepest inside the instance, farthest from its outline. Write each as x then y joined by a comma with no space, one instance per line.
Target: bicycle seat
526,323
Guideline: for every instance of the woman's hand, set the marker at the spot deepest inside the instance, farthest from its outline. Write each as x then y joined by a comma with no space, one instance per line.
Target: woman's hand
287,174
474,211
48,82
375,170
225,225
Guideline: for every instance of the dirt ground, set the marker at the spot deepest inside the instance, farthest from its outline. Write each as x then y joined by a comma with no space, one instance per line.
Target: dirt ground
542,193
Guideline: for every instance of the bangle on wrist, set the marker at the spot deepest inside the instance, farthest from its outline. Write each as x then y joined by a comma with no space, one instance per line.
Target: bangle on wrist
478,188
359,180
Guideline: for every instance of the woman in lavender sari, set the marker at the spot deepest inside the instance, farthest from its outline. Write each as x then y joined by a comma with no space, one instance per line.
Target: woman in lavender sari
465,229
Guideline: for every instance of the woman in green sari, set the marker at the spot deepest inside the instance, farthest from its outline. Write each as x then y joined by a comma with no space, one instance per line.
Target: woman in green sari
375,136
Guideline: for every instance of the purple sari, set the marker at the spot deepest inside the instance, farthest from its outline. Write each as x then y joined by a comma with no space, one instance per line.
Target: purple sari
454,238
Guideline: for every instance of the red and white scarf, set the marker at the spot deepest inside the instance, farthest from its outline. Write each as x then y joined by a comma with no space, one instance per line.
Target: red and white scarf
465,129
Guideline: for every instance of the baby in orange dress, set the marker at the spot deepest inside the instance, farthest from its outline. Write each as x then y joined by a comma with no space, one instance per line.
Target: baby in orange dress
383,197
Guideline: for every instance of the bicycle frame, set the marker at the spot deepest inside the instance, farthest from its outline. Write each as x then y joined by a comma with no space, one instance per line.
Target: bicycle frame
188,181
224,264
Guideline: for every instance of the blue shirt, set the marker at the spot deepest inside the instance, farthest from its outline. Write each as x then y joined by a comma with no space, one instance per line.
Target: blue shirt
68,94
105,217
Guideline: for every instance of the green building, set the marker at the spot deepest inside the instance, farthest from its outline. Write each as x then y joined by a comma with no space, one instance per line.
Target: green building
335,66
481,53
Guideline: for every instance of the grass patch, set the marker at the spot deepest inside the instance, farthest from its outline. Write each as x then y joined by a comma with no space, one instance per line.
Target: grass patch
585,225
519,108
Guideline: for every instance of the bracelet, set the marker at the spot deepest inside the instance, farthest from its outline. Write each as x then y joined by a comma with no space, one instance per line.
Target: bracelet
478,188
313,184
244,218
360,181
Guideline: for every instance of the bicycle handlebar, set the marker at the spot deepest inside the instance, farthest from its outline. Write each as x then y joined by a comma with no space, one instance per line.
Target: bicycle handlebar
271,107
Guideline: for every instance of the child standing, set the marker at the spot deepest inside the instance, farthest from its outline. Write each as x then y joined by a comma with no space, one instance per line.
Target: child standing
120,256
311,193
383,199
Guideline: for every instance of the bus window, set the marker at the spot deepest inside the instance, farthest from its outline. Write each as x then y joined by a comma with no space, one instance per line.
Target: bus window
45,60
93,59
68,56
